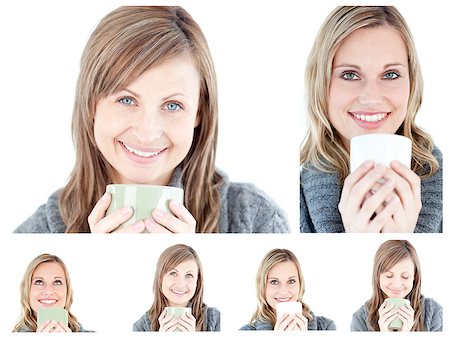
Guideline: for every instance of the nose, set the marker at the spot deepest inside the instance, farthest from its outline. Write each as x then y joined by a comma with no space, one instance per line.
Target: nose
371,94
148,125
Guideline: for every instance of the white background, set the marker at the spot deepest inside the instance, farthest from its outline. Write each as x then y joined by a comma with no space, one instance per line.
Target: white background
259,50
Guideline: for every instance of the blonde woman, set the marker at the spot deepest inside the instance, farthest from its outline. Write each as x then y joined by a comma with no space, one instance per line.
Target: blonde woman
279,280
178,282
46,283
146,113
363,76
396,274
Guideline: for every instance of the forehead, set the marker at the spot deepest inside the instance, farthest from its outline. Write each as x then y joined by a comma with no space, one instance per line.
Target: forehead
188,265
283,270
379,45
49,270
405,265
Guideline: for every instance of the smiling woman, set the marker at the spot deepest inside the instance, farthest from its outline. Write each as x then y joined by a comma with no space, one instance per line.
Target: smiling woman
178,283
279,283
146,112
363,77
397,275
46,284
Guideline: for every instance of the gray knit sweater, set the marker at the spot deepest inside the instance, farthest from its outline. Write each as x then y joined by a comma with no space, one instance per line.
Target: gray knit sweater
27,329
320,194
317,323
212,321
432,317
243,209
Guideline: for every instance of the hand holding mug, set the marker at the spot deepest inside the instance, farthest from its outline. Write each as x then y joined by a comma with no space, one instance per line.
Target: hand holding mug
187,322
167,322
291,322
52,326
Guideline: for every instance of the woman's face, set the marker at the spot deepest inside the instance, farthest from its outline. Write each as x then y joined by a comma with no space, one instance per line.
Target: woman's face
282,284
146,129
369,87
180,283
398,281
48,286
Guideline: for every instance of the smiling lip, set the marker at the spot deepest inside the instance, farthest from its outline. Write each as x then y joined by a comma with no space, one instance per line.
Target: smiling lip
179,293
47,301
369,120
140,154
283,299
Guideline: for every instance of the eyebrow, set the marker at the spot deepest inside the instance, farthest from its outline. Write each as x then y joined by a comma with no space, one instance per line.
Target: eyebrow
388,65
164,98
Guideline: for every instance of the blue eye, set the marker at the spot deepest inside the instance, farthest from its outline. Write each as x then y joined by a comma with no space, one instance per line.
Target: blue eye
350,76
127,101
391,75
173,106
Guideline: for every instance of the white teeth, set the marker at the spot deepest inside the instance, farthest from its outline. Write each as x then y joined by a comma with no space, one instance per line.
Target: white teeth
371,118
48,301
179,292
141,153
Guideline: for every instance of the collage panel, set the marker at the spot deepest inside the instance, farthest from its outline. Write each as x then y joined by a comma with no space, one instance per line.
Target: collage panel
371,121
239,180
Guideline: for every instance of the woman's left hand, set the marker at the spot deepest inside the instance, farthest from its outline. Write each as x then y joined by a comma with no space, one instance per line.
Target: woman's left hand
407,188
181,221
406,315
187,322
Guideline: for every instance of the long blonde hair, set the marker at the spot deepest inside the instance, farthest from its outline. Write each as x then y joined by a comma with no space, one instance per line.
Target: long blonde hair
126,43
264,312
387,256
322,146
28,317
169,259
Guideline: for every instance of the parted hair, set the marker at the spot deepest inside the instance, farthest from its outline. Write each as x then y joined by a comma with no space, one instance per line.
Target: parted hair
28,318
322,146
264,312
126,43
387,256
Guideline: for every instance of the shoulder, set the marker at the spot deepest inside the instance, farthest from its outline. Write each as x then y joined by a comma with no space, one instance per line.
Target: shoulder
257,325
432,314
46,219
322,323
142,324
212,319
245,208
359,319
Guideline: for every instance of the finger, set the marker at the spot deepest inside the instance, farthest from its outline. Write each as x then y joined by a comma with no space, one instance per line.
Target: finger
386,214
282,322
42,327
182,213
356,176
171,222
186,323
409,175
100,208
377,200
137,227
113,220
403,187
50,326
154,227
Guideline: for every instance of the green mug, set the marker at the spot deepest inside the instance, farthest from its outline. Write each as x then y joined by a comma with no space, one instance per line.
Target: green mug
143,199
52,314
177,312
396,324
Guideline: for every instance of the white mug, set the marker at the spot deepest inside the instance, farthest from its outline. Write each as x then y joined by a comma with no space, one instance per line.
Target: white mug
381,148
290,308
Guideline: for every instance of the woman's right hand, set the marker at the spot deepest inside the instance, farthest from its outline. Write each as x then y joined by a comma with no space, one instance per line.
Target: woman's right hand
386,313
167,322
99,223
52,326
289,322
359,213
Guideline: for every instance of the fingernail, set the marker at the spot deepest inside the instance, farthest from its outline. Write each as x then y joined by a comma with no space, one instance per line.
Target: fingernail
149,223
140,225
368,163
379,168
158,214
126,210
